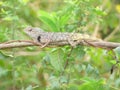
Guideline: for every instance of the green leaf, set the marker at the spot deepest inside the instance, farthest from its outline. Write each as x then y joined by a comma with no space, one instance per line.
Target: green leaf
64,19
65,15
3,72
29,87
49,23
54,81
99,11
89,69
73,87
113,61
56,59
4,56
63,79
1,3
48,20
78,52
92,84
117,52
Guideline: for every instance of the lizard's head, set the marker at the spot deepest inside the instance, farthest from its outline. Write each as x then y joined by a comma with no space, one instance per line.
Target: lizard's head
33,32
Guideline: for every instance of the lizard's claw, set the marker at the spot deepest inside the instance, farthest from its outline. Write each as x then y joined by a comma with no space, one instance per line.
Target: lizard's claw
73,43
42,46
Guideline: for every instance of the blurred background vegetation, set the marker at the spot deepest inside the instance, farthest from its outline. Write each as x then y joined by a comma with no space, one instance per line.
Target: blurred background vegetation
59,68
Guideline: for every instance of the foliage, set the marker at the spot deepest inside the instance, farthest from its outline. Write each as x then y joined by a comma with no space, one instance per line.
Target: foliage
60,68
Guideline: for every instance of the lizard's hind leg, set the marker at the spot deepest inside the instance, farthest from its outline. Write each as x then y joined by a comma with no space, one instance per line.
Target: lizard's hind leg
73,43
89,43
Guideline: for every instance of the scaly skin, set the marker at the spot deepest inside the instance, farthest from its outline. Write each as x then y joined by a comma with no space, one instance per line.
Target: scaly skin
38,35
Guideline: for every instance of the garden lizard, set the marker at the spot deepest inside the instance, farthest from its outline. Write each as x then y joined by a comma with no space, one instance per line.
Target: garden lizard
41,37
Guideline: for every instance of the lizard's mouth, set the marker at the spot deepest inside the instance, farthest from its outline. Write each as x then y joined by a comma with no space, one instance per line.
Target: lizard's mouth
30,30
75,40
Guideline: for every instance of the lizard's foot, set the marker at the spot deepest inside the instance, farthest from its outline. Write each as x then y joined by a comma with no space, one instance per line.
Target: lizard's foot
39,44
45,44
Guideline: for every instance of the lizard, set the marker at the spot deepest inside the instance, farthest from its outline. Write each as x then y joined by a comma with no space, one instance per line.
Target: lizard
41,37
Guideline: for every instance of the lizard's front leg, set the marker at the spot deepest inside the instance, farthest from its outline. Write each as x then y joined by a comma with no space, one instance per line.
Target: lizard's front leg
46,43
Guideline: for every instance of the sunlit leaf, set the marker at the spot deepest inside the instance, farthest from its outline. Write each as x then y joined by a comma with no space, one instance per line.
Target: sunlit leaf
3,11
48,20
91,84
1,3
7,18
118,8
5,56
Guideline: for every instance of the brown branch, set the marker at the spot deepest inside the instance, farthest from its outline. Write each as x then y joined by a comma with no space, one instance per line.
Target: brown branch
15,45
20,43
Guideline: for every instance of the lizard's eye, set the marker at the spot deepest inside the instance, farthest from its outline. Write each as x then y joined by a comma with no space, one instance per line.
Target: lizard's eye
30,30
